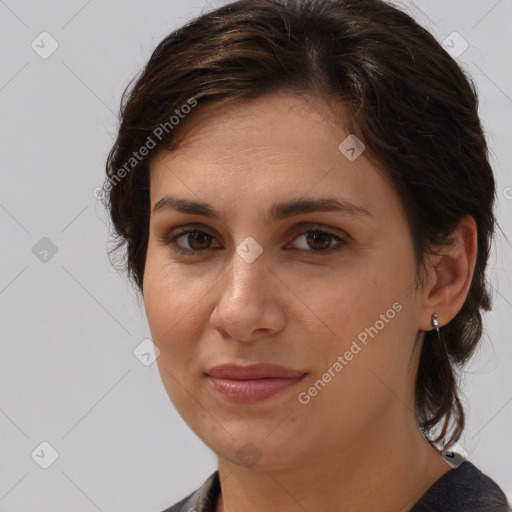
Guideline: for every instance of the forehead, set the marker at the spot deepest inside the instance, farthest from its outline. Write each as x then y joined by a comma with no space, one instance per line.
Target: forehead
279,120
277,145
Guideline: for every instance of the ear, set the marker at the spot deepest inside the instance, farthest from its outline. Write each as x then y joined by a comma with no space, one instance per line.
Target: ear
450,275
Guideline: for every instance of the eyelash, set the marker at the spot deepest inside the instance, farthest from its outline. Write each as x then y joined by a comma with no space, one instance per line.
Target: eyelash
171,239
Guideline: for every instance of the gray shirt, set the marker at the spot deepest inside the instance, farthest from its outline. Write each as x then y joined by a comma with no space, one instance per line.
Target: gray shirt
462,489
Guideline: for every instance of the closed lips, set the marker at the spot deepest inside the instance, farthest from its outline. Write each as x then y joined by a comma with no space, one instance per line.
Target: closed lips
254,371
253,383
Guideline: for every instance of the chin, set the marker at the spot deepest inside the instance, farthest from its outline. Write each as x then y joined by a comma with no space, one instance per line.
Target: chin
258,449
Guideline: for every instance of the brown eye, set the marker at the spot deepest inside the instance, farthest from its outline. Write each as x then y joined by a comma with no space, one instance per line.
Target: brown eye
318,240
190,242
198,240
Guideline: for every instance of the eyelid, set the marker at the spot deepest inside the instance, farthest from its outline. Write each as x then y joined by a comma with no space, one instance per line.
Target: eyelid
170,238
305,227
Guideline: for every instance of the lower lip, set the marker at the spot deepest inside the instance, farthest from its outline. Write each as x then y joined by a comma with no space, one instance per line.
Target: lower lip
254,390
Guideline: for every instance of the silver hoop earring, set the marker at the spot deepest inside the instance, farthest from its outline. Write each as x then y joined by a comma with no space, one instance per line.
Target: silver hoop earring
435,323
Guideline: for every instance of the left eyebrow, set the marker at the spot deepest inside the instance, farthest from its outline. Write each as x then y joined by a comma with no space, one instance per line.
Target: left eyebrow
278,211
281,211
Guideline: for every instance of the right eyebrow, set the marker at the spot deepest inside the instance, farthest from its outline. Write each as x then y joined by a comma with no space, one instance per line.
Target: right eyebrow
186,206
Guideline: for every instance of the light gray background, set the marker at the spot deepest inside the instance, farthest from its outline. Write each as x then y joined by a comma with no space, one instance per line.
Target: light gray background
69,325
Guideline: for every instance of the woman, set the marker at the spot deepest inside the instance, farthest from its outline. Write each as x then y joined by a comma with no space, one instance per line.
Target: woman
307,206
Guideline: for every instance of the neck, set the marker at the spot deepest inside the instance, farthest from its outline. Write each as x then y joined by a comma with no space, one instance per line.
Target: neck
363,474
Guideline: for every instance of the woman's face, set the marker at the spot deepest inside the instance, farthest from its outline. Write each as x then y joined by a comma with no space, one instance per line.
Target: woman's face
325,290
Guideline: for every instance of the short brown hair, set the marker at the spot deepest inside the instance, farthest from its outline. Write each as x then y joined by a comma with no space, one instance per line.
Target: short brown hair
411,105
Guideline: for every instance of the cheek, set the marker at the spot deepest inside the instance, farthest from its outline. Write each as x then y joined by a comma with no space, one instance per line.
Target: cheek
368,316
342,304
170,294
173,318
174,311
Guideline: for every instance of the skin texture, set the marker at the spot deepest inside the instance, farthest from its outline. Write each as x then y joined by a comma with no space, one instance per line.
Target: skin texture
355,445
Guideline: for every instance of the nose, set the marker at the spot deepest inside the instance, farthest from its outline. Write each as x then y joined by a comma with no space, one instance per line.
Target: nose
249,305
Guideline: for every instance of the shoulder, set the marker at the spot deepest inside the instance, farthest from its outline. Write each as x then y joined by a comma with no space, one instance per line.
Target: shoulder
464,489
203,499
